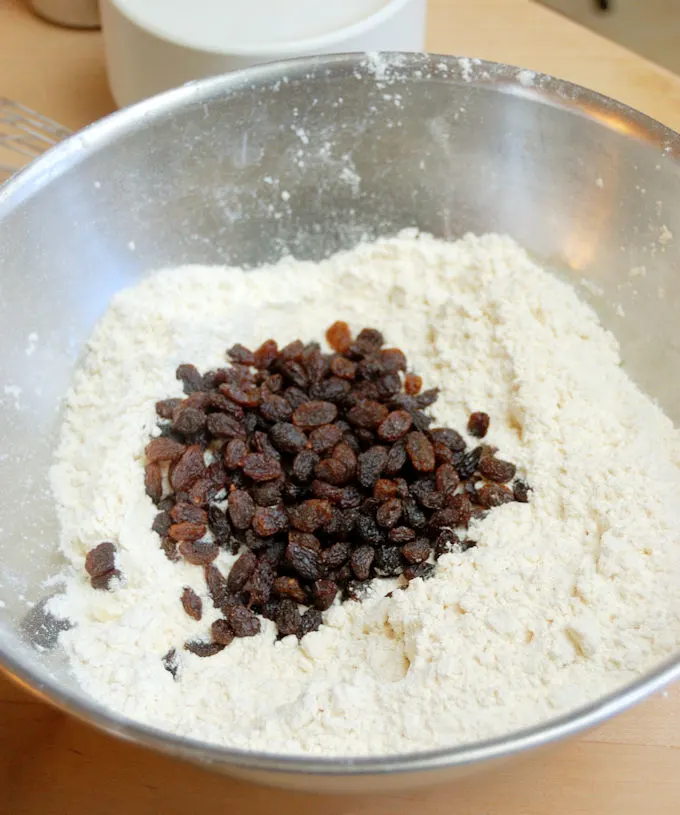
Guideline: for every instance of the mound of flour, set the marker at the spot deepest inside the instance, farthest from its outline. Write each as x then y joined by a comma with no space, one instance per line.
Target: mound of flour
563,599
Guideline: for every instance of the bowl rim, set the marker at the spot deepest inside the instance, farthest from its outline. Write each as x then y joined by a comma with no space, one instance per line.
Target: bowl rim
284,48
378,67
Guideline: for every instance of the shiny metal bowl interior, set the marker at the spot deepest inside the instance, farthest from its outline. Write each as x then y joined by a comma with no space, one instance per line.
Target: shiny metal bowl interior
364,146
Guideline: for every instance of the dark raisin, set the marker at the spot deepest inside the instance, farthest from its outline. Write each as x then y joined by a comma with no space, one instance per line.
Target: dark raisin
190,378
425,492
388,561
241,570
495,469
292,351
446,542
289,587
270,609
369,531
343,367
333,390
221,633
243,622
268,521
335,556
416,551
520,491
161,523
427,398
314,414
447,479
241,509
101,560
303,561
217,585
163,449
332,471
395,426
413,514
396,459
287,438
392,360
310,515
171,663
324,593
294,373
357,590
448,437
462,508
361,561
467,465
186,531
388,385
367,414
325,438
304,464
266,354
223,426
494,495
166,407
310,621
188,512
219,402
287,618
188,469
241,355
369,340
420,451
261,467
389,513
235,454
304,539
153,482
293,493
188,420
267,493
203,649
402,534
370,466
424,570
259,585
339,336
347,457
443,454
276,409
169,548
200,554
191,603
478,424
384,488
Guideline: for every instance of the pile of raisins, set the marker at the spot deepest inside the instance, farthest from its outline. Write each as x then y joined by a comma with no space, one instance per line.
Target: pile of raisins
333,476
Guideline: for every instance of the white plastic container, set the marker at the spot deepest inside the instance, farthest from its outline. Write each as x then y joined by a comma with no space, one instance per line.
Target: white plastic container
154,45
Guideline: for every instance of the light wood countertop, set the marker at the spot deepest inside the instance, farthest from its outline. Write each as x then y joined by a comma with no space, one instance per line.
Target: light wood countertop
53,765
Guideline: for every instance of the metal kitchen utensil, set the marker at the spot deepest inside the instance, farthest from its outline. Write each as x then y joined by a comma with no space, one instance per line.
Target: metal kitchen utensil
363,145
24,134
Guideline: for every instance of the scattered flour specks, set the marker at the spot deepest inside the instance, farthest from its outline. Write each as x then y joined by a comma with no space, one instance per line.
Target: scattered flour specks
563,599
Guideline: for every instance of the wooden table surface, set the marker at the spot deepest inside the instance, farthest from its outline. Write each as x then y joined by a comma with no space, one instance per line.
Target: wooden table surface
52,765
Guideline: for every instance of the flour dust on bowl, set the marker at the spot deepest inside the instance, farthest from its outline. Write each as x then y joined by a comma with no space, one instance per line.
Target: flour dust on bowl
397,591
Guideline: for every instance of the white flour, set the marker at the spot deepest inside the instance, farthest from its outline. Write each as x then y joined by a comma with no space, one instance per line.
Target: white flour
564,599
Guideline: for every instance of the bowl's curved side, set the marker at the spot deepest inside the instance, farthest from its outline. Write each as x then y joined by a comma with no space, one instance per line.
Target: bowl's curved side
363,145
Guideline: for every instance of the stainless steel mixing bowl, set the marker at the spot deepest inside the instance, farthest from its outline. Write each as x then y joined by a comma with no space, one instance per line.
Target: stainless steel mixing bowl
357,146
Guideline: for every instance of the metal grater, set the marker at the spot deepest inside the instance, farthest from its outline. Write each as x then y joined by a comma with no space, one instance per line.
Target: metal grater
24,134
650,27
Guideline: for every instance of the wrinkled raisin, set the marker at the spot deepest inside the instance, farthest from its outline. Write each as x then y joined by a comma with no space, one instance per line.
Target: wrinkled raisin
303,561
420,451
416,551
388,561
412,384
396,459
268,521
494,495
190,378
287,438
370,466
260,583
314,414
223,426
447,479
243,622
402,534
361,561
467,465
521,491
161,523
423,570
310,621
335,556
267,493
217,585
330,390
324,593
100,560
389,513
478,424
153,482
392,360
289,587
369,340
203,649
188,512
166,407
188,469
304,464
188,420
163,449
343,367
369,531
221,633
460,504
332,471
367,414
413,514
171,663
186,531
325,438
200,554
191,603
446,542
275,408
240,354
261,467
287,618
495,469
241,570
310,515
266,354
235,454
388,385
448,437
241,509
339,336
